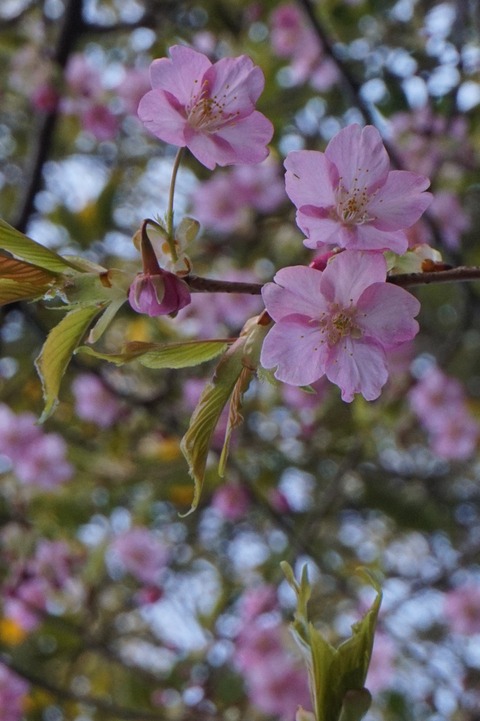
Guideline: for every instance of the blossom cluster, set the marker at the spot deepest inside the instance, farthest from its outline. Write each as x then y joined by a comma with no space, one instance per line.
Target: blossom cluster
38,459
337,319
340,319
439,403
34,582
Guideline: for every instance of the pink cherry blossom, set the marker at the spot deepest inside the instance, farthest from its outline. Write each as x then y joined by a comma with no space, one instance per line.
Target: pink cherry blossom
209,108
348,197
338,322
158,294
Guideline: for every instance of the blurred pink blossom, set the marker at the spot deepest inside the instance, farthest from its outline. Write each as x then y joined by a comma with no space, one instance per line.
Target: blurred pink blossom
13,695
451,218
26,602
461,608
132,87
94,402
381,671
221,314
141,553
275,680
38,458
44,464
227,201
257,600
439,403
87,98
99,120
231,501
428,142
292,37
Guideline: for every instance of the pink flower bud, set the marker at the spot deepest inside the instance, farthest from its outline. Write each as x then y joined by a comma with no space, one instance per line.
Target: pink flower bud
158,294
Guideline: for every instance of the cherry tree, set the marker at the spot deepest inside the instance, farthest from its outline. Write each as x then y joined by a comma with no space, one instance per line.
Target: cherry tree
239,413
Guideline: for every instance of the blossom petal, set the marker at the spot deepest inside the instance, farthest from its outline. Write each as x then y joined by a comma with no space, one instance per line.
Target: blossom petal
248,138
369,237
297,350
386,313
235,83
349,273
359,157
357,366
307,179
159,112
400,202
319,228
182,75
296,290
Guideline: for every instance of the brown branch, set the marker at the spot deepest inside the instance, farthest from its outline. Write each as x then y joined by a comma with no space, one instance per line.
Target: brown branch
72,26
452,275
209,285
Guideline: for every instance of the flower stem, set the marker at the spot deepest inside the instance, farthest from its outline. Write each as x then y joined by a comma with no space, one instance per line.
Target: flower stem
170,229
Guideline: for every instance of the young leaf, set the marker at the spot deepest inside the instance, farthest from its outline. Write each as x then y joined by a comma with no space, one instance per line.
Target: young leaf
232,378
57,350
337,676
22,281
158,355
195,443
24,248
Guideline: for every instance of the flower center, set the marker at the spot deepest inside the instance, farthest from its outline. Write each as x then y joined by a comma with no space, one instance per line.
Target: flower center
207,113
352,204
339,323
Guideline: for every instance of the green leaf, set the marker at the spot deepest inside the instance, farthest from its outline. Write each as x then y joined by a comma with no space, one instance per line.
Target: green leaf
195,443
24,248
232,378
22,281
158,355
335,674
105,319
57,350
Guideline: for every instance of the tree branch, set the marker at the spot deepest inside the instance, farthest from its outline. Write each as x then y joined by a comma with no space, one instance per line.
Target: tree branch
452,275
72,26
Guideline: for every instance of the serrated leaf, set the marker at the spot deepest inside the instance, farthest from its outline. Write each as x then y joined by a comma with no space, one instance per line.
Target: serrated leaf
24,248
57,350
334,673
158,355
195,443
